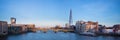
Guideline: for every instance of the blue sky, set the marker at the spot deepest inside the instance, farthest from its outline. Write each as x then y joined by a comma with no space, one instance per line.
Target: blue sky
56,12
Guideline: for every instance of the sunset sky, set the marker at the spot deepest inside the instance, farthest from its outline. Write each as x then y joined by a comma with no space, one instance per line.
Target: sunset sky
56,12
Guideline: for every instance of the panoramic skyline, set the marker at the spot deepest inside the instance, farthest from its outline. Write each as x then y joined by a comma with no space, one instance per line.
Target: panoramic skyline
56,12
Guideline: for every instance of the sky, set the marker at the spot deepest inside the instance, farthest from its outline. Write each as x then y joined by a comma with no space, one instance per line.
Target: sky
56,12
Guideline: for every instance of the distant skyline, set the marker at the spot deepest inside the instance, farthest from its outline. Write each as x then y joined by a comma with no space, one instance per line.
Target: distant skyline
56,12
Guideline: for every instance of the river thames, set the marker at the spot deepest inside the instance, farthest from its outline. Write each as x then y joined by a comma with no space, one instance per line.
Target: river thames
50,35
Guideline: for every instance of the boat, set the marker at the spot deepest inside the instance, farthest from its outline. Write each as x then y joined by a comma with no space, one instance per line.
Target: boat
88,34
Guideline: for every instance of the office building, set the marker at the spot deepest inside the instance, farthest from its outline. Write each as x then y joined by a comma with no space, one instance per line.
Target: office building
13,20
3,28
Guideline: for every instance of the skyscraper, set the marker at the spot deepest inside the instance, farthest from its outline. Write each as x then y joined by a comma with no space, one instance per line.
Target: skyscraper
13,20
70,18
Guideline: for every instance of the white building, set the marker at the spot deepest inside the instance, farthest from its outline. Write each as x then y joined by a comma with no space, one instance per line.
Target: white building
3,28
82,26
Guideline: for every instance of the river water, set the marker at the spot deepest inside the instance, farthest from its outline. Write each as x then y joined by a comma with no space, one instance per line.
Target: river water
50,35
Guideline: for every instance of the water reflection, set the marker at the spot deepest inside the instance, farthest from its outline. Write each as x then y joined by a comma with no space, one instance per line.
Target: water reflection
3,38
50,35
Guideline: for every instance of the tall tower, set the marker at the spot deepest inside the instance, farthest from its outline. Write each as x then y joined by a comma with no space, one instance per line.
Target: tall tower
13,20
70,18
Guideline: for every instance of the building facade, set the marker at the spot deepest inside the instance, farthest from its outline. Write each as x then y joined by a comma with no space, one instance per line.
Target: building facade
21,28
3,28
116,28
82,26
30,27
17,28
